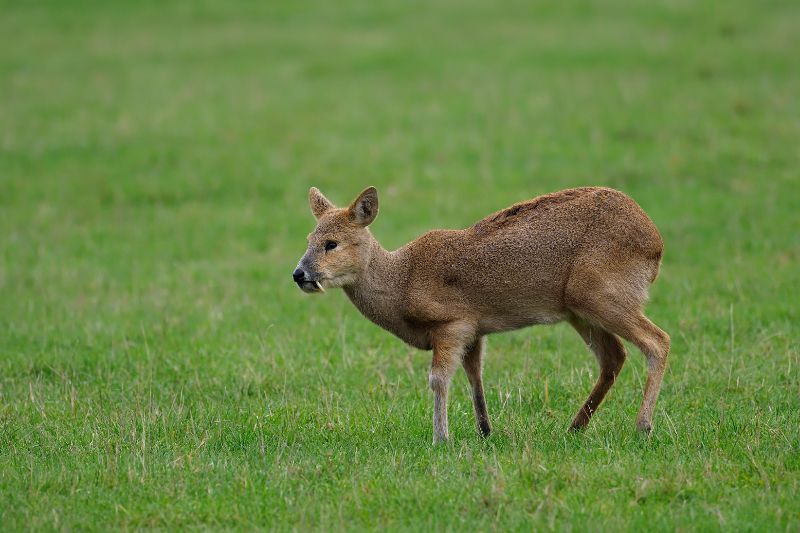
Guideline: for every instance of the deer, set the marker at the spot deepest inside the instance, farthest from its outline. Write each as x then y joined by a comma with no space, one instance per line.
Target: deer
586,256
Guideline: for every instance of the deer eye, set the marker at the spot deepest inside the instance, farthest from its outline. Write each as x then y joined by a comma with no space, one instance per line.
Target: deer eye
330,245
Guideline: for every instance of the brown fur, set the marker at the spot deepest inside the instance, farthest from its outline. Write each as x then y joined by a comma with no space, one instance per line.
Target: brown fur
584,255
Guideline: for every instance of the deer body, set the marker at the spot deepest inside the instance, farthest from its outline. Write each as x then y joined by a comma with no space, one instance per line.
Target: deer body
584,255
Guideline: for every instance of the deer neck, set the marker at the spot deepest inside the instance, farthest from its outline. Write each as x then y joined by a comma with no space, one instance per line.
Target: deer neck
379,290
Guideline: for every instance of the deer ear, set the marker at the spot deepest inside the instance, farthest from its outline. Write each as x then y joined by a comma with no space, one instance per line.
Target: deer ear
364,209
319,204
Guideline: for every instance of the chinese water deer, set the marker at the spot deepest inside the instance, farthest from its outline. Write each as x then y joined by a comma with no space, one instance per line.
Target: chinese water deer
584,255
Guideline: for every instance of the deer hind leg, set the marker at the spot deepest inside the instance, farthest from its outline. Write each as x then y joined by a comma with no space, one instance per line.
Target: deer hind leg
473,366
653,343
610,354
615,304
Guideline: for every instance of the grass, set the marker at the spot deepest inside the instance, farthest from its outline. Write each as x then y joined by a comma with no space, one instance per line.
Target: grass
158,369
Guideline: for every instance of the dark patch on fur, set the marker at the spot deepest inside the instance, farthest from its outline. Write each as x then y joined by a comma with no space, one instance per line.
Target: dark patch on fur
416,323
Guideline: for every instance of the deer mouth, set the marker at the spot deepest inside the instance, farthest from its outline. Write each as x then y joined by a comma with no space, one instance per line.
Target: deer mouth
311,286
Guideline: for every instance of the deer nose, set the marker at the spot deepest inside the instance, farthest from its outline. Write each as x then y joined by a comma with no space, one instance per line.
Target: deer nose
298,275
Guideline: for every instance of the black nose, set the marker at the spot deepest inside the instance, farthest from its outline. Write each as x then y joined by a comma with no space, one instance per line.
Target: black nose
298,275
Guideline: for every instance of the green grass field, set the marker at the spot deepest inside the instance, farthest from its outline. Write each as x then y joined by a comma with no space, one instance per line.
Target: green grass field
159,369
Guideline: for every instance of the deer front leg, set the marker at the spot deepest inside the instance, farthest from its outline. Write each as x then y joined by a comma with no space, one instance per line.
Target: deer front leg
473,366
443,366
448,349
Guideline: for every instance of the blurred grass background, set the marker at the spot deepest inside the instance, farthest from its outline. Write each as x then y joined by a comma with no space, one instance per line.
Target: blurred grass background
159,369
